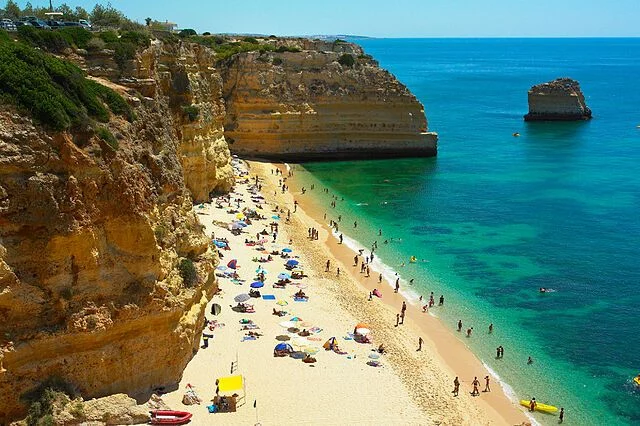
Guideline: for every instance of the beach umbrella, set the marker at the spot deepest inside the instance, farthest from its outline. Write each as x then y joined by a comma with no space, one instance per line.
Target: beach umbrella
284,276
243,297
216,309
282,302
286,250
233,264
296,319
240,216
312,350
283,338
283,347
362,325
363,331
220,244
257,284
221,268
292,262
275,217
293,329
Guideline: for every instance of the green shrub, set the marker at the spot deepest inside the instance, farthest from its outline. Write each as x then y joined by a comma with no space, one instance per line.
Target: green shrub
191,111
251,40
346,60
282,49
106,135
109,36
188,272
55,92
277,61
187,32
206,33
96,44
123,53
4,36
160,232
42,398
137,38
76,36
51,41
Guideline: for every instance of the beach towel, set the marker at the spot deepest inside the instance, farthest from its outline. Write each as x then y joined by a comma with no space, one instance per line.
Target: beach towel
268,297
244,338
300,299
315,330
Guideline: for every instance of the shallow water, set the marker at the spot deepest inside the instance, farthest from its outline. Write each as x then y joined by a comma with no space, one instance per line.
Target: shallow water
494,217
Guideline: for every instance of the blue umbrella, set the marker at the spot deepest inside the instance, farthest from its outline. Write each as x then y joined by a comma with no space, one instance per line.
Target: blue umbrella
275,217
221,268
283,347
292,262
284,276
241,224
220,244
286,250
257,284
261,270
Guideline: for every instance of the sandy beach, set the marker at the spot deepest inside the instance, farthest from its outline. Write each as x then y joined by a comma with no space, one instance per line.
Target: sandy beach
410,386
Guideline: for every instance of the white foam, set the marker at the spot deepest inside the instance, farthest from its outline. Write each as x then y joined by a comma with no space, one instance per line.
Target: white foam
388,273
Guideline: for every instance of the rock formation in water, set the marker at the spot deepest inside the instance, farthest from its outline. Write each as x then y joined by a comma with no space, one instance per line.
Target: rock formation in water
327,101
557,100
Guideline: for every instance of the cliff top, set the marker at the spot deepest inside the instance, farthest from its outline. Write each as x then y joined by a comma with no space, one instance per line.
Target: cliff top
559,85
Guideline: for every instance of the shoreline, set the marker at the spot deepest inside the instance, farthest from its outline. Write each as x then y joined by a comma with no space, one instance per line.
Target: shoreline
439,341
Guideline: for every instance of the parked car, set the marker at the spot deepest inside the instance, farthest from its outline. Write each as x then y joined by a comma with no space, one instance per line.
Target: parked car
86,24
55,24
21,23
40,24
7,25
72,24
28,18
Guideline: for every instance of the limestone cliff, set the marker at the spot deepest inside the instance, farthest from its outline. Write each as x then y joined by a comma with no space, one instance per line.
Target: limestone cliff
327,101
557,100
91,235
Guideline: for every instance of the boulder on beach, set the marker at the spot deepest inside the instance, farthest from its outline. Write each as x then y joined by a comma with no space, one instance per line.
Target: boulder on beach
557,100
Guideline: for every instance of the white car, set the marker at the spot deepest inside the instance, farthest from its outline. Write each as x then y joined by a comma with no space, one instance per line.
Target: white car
85,24
7,25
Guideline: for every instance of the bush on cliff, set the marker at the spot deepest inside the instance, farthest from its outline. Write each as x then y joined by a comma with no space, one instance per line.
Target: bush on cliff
55,92
188,272
42,399
106,135
191,111
54,41
346,60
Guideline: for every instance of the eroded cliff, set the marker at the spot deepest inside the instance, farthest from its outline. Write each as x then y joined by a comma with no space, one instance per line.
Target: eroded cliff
557,100
92,233
329,100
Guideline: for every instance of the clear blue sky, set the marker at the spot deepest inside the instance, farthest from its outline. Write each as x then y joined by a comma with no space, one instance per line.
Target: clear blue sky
392,18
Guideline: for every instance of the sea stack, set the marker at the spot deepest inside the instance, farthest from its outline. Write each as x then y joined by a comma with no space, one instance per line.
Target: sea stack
557,100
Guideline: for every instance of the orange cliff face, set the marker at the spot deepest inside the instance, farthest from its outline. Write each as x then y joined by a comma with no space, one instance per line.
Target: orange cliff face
314,105
91,236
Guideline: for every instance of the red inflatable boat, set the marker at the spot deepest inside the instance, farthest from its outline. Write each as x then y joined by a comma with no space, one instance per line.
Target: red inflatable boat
169,417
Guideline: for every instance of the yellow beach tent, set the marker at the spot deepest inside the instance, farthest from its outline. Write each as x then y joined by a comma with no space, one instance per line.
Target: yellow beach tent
232,384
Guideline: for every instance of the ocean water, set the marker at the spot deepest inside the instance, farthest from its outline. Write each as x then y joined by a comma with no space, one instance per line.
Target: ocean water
493,218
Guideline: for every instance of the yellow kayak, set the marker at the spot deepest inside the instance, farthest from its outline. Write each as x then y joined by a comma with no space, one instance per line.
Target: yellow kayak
637,380
544,408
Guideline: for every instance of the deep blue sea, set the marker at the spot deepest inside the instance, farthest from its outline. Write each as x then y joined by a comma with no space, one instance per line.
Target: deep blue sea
493,218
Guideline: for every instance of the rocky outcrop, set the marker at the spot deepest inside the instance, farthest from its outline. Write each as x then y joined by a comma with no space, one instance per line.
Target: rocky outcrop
557,100
327,101
91,236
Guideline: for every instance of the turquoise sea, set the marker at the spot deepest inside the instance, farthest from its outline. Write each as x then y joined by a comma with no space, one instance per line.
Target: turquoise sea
493,218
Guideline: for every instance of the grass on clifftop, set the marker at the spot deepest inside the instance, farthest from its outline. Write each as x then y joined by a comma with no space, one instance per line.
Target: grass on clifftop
55,92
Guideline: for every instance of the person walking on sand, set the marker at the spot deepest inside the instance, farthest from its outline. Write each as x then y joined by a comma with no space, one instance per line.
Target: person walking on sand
456,386
380,278
328,265
419,344
561,420
475,383
397,319
402,318
355,260
459,325
404,307
370,296
338,272
340,238
397,285
487,388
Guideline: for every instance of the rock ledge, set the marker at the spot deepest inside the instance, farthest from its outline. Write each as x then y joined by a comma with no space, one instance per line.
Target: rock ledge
557,100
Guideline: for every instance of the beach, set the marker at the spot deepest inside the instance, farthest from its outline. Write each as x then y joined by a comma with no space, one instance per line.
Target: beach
414,386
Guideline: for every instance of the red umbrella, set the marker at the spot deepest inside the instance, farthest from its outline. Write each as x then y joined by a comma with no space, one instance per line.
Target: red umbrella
233,264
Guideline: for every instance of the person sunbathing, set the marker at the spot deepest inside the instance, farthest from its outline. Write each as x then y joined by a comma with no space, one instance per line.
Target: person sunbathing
279,313
300,295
